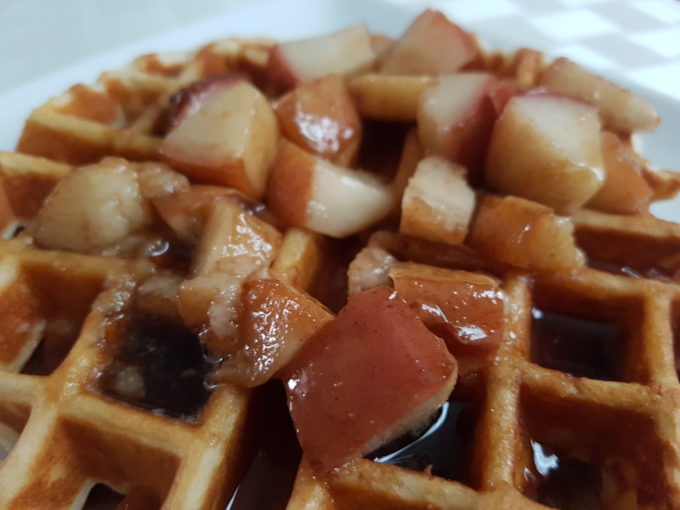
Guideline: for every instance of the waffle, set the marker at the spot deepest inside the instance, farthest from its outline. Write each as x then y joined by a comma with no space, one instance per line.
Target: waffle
122,114
108,398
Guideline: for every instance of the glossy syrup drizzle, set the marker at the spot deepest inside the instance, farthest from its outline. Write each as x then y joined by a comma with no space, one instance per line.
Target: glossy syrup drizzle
580,347
564,484
330,283
102,497
442,445
171,363
268,480
48,355
676,337
636,256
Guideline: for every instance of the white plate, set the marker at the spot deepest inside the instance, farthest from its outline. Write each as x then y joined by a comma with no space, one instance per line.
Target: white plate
285,19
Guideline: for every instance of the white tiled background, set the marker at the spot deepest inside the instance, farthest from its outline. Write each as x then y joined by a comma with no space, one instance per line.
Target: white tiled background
638,38
41,36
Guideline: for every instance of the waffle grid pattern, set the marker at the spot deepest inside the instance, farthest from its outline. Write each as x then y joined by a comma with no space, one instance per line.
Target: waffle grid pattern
71,437
155,456
623,427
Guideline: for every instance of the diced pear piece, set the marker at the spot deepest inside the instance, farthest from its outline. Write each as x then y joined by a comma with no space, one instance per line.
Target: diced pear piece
465,309
186,211
364,378
369,269
307,191
347,52
209,305
230,140
234,242
524,234
456,117
188,100
438,202
431,45
625,190
92,208
547,148
320,117
275,320
389,97
620,109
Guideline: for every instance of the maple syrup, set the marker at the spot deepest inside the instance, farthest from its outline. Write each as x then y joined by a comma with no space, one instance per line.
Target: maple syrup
577,346
171,363
169,254
377,135
621,253
654,273
48,355
564,484
165,250
330,282
13,419
8,439
268,480
443,445
676,336
103,497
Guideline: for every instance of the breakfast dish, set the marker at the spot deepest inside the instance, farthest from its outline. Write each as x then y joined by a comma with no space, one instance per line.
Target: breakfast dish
342,272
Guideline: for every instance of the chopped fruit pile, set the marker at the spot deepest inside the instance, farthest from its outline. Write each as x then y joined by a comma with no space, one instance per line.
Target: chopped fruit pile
407,174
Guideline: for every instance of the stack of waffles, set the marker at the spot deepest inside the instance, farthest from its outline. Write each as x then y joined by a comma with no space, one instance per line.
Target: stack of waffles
122,384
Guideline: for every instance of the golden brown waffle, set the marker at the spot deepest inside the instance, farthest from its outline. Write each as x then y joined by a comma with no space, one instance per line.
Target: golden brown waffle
592,426
123,113
608,409
71,436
